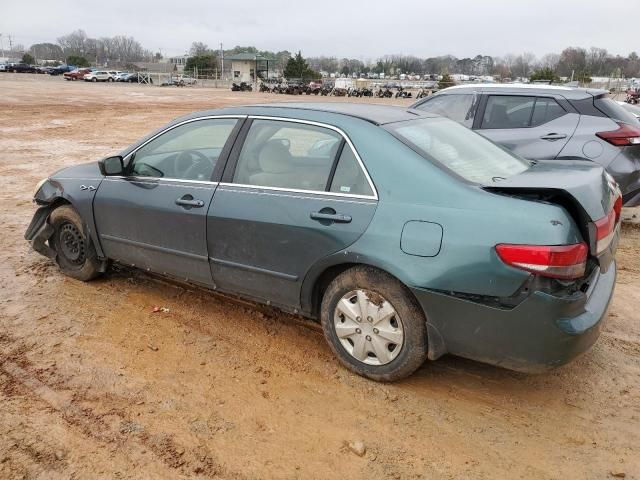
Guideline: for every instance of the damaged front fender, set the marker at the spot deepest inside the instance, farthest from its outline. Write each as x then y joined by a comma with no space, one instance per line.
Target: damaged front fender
39,231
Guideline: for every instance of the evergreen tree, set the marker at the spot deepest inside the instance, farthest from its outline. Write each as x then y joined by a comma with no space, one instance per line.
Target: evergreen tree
297,67
446,81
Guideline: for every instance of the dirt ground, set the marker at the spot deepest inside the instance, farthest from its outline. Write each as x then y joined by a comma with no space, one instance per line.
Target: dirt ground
95,385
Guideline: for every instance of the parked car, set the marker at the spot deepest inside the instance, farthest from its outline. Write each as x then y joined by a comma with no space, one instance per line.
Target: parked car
550,122
182,80
138,78
407,235
77,74
3,67
99,76
121,76
22,68
60,69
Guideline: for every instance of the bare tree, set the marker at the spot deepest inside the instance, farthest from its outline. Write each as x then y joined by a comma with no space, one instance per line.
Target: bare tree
46,51
523,64
74,43
550,61
198,48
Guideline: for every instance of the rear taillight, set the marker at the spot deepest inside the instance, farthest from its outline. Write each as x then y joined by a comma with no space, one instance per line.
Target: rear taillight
617,207
606,227
555,261
622,137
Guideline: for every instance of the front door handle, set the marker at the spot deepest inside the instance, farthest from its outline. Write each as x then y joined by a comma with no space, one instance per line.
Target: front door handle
330,217
553,136
188,201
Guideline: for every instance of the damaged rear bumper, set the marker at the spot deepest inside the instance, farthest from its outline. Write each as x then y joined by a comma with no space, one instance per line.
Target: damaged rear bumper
543,332
39,231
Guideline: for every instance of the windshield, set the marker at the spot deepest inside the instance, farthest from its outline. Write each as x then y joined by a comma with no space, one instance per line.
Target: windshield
464,152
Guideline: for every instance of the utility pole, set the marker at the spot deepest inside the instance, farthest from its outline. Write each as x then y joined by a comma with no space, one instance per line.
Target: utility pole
1,45
221,61
10,43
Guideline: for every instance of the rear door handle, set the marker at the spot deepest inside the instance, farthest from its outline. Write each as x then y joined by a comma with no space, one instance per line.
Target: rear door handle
331,217
553,136
189,202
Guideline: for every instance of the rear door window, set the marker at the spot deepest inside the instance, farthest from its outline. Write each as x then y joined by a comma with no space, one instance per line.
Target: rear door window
287,155
511,111
460,108
349,177
545,110
505,111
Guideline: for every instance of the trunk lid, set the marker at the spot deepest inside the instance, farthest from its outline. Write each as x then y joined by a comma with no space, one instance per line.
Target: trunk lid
585,183
582,188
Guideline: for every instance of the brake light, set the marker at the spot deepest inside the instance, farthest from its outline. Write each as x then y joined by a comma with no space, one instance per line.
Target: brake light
622,137
606,227
554,261
617,207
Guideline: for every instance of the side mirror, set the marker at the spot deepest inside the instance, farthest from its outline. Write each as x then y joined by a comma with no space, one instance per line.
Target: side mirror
111,166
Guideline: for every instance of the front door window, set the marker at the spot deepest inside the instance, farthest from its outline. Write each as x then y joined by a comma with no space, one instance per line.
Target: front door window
187,152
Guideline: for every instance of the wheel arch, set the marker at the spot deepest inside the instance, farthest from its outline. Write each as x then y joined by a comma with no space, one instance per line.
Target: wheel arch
54,194
322,274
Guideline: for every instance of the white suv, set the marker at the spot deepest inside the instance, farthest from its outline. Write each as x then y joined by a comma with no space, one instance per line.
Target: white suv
99,76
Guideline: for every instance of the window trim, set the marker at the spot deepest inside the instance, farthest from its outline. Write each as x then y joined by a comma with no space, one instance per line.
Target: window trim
233,161
535,100
217,171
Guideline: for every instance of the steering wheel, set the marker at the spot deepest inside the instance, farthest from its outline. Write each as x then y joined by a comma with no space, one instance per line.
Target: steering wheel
189,168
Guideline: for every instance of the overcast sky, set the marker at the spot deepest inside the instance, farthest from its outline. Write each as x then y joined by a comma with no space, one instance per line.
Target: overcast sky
356,29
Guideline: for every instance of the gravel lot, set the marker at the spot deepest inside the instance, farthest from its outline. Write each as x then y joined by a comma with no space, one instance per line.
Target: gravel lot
93,384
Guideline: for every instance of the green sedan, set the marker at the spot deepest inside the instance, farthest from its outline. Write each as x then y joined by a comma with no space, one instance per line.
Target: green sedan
405,234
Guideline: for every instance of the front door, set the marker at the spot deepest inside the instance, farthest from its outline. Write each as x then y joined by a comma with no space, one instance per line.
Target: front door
296,193
536,128
155,216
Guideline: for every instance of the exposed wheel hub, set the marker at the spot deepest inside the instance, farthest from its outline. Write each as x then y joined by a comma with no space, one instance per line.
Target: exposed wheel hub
368,327
72,244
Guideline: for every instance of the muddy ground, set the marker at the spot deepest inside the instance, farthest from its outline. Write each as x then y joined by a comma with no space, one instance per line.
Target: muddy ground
95,385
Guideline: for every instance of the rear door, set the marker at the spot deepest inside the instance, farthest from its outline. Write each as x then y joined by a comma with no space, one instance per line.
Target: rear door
533,127
293,193
155,216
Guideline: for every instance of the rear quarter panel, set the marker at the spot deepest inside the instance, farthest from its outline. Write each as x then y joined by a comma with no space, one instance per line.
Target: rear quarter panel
473,221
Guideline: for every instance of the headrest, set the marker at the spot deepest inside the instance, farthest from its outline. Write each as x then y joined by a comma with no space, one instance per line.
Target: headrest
275,158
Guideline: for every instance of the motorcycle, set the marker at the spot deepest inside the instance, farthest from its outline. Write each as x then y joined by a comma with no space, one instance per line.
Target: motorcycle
242,87
366,92
402,93
326,90
422,93
384,93
265,88
633,96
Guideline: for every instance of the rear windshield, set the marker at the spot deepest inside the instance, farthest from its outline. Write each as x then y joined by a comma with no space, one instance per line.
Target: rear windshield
612,110
462,151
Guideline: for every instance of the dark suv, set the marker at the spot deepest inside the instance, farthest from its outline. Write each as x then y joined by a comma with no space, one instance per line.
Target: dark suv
549,122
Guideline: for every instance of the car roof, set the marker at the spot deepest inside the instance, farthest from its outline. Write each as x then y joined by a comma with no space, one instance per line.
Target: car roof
372,113
534,88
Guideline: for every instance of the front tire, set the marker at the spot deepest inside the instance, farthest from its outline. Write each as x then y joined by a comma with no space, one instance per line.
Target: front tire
76,255
374,325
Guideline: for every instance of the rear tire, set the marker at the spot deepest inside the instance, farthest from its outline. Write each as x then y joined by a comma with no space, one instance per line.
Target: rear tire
76,255
384,335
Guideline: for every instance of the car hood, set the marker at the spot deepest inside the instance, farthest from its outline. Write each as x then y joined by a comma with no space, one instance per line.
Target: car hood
84,170
585,182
